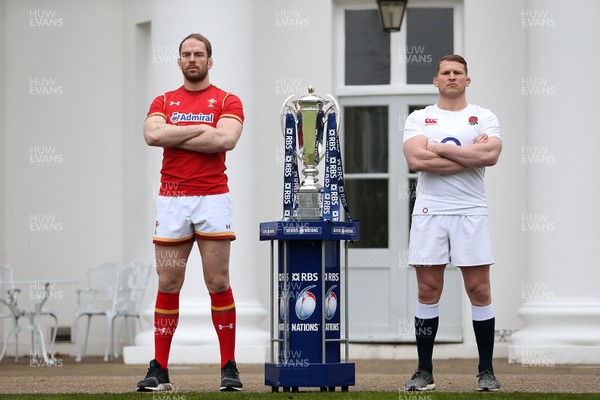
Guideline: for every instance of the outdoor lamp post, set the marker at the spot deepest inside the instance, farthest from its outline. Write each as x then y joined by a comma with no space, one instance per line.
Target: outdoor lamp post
391,13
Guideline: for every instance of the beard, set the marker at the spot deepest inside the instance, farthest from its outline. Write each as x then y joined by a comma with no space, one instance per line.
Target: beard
195,75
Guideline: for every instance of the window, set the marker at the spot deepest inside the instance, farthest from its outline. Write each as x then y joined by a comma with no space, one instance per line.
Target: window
365,153
367,58
424,46
366,149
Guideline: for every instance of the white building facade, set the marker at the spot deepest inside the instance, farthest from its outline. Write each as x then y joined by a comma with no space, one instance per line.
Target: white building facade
78,182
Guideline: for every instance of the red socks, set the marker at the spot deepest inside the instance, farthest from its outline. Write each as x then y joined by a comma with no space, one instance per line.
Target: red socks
223,317
166,318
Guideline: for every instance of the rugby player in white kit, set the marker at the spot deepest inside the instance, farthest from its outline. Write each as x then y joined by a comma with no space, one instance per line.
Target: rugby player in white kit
451,143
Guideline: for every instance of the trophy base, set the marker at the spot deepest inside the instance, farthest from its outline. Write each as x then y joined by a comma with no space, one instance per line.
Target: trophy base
309,206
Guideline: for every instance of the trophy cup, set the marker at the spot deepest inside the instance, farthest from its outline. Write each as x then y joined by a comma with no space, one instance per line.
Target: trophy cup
310,114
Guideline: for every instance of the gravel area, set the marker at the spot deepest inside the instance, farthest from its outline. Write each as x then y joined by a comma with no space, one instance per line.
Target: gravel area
457,375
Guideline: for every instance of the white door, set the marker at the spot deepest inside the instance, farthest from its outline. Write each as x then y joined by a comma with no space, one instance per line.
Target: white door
380,190
380,79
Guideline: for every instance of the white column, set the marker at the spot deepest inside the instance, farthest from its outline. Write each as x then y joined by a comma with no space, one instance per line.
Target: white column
230,28
561,307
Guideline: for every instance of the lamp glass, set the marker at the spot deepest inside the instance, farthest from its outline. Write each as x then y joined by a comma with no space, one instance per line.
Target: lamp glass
391,13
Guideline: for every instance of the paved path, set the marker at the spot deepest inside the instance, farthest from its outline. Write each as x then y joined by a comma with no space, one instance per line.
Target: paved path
458,375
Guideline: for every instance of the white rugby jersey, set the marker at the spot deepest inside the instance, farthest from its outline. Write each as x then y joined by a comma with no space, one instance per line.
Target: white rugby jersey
462,193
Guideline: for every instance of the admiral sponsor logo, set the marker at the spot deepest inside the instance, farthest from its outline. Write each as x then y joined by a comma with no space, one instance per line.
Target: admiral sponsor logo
191,117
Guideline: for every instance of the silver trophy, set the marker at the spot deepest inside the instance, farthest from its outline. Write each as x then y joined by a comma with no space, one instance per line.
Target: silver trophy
310,112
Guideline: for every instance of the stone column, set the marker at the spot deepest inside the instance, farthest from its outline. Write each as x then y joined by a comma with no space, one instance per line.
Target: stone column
561,307
230,28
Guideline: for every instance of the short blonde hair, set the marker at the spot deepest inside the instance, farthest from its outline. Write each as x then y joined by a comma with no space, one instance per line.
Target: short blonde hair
452,57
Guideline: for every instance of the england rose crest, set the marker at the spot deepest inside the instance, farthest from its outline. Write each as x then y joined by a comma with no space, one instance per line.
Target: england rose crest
473,120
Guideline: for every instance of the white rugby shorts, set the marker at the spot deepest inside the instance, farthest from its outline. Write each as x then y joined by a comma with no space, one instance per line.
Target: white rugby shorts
186,218
463,240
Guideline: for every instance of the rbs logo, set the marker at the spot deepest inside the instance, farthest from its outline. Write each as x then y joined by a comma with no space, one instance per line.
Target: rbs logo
305,276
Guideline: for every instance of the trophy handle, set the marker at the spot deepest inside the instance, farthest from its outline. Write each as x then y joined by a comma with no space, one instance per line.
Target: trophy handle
332,107
285,108
336,106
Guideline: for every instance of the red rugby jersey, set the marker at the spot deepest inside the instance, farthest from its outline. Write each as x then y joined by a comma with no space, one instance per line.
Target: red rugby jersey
185,172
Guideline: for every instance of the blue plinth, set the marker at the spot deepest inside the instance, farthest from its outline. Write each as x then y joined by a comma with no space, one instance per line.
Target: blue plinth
306,325
329,375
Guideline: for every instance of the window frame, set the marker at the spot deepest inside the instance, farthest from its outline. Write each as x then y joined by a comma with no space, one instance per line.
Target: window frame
398,83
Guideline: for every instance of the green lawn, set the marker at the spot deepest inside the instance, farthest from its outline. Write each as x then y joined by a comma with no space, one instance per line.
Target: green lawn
307,396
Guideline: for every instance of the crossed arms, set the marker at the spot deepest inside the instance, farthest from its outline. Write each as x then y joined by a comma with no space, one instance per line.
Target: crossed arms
200,138
443,158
